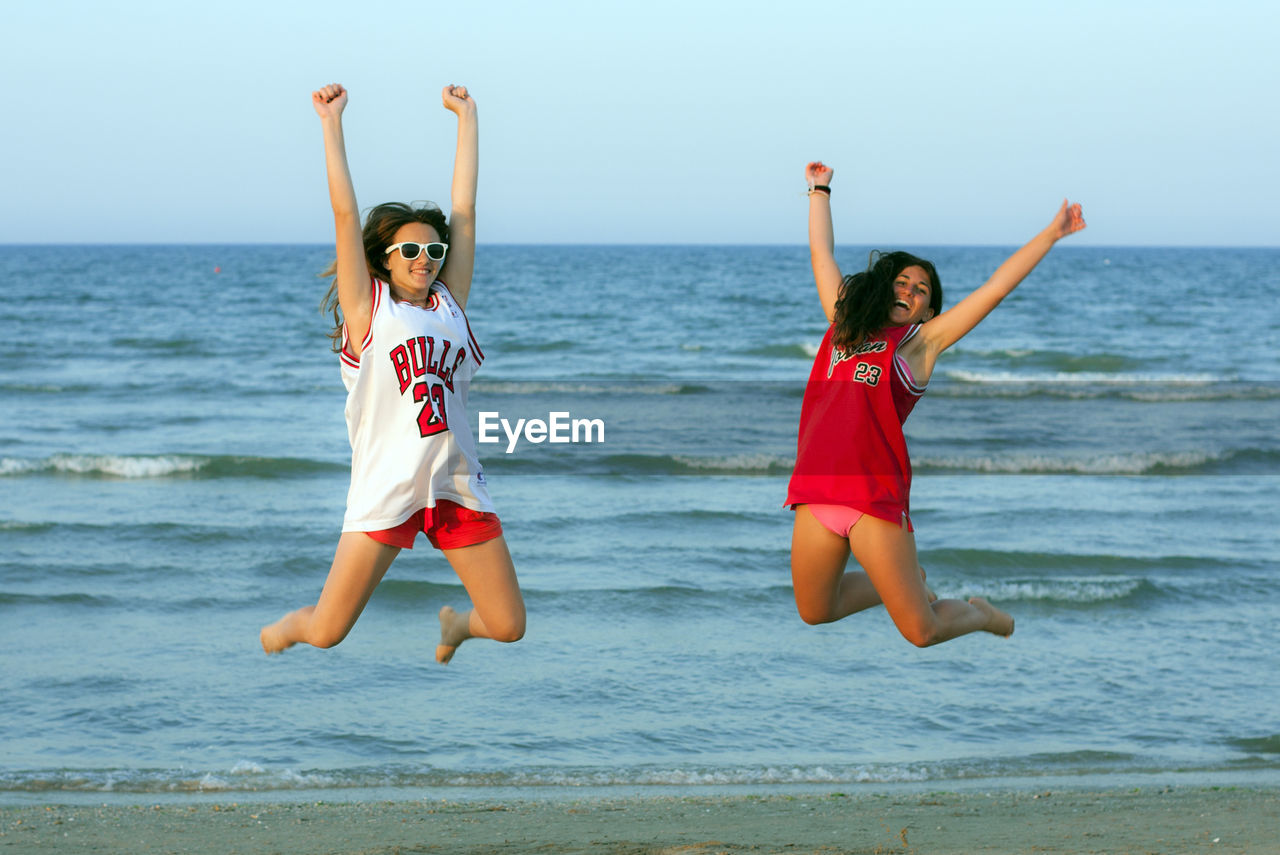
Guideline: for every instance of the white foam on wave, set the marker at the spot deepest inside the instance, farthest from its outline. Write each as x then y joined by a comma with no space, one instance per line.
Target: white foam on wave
702,777
19,466
533,387
1136,463
737,462
1083,377
12,525
118,466
212,782
1076,589
248,775
1214,392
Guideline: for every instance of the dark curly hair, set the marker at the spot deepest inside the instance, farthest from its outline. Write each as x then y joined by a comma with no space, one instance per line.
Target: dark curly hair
380,227
866,298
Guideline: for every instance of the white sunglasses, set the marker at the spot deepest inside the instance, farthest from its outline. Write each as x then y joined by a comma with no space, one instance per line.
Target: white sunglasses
409,250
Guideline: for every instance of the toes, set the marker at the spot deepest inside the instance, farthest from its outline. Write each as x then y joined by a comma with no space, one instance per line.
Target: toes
998,622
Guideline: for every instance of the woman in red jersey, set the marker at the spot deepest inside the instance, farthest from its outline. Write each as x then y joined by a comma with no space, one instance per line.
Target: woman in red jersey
851,485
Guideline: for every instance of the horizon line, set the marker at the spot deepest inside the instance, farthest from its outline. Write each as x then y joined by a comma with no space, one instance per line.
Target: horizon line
50,244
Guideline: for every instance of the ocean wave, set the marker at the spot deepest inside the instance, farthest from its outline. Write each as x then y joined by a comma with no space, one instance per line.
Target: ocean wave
1015,564
162,466
1133,463
1150,394
247,776
685,464
47,388
784,351
8,598
103,465
26,527
611,387
1144,388
579,461
412,592
641,599
169,346
1082,590
1071,363
242,777
1007,353
736,463
516,345
1083,377
1257,744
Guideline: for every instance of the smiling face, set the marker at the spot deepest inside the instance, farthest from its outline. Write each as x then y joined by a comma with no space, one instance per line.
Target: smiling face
912,290
411,280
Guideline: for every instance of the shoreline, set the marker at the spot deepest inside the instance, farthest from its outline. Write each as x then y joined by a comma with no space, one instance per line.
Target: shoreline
834,820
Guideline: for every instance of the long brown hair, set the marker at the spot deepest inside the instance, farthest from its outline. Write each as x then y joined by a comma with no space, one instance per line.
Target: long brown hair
380,227
866,298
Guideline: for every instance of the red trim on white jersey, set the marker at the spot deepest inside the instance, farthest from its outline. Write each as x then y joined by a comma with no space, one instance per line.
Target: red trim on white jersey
345,353
471,337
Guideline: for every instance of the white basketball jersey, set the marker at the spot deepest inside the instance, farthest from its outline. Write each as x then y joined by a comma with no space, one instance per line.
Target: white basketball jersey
411,440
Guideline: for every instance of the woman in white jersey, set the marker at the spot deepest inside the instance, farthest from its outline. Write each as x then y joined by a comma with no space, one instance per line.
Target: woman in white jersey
407,356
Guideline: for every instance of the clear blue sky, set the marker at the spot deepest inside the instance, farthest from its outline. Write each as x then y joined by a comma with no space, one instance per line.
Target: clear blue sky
649,122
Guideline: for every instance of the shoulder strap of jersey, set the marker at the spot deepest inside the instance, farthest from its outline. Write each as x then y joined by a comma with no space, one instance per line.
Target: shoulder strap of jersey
377,290
447,295
900,366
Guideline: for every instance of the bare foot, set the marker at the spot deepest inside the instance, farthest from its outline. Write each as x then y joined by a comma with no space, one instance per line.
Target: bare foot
273,640
454,629
998,622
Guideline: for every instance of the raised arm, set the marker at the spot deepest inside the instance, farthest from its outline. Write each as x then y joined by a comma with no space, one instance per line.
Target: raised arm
952,325
352,270
822,242
461,261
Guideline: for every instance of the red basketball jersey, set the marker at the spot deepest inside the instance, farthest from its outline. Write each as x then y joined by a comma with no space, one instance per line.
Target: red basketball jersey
851,450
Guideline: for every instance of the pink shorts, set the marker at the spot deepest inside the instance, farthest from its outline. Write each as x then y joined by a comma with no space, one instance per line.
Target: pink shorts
837,519
448,526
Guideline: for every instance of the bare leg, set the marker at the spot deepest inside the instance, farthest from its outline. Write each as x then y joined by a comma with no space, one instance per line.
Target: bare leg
825,591
358,566
488,574
888,554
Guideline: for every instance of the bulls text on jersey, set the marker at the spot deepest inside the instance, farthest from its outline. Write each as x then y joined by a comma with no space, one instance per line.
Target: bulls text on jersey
417,358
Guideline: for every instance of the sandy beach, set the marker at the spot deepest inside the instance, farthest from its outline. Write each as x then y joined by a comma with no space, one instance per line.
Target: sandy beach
1131,820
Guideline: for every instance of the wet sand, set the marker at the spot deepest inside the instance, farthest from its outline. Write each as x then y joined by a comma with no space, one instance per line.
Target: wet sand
1131,820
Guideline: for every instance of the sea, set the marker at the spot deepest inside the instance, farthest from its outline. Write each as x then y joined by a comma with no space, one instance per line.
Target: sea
1100,457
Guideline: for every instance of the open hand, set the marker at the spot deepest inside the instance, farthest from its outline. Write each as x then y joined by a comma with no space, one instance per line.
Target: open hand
456,99
818,173
329,100
1068,220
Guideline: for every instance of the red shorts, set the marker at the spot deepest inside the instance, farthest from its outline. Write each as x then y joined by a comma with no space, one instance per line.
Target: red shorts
448,526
